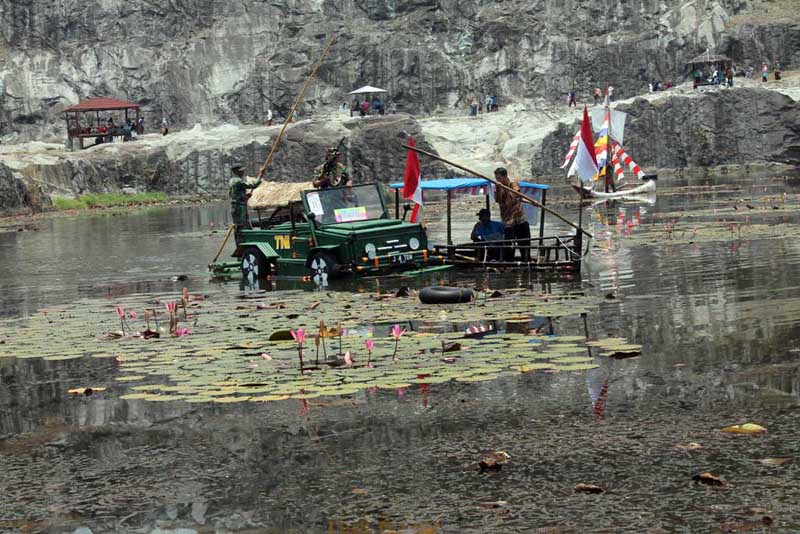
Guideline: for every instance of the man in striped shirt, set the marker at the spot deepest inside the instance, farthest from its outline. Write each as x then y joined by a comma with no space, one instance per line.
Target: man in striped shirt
517,231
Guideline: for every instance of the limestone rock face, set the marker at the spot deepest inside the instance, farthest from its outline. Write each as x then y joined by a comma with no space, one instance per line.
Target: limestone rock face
14,195
723,127
217,61
198,161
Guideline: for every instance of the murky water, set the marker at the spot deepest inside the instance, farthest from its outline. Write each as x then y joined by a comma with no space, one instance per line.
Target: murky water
718,319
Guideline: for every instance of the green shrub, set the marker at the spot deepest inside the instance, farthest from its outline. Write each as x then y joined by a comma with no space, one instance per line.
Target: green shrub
105,200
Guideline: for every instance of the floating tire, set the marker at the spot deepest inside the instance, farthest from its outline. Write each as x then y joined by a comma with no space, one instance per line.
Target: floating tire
445,295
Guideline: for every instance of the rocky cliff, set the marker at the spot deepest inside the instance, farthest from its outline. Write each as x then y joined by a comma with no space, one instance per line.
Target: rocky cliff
198,161
223,61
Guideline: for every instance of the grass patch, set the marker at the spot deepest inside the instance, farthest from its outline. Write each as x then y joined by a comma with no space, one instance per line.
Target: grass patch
105,200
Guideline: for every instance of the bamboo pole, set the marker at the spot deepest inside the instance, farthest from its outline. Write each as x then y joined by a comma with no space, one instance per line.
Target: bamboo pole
294,107
224,241
523,196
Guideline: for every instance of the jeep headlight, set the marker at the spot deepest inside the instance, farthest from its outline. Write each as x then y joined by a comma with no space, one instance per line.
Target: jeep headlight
370,250
413,243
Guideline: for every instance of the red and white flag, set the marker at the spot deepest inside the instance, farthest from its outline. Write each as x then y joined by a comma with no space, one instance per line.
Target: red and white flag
572,147
412,189
585,163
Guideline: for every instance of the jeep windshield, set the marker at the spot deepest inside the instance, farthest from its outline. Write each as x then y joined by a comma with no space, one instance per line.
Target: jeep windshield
346,204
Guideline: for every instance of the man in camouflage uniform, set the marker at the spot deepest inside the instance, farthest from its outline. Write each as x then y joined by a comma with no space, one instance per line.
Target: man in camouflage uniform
239,190
331,173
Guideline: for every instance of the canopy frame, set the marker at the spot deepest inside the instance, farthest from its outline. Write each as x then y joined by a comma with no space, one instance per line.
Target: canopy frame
474,184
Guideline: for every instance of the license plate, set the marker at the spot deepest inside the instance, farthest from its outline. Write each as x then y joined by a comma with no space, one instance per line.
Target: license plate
401,258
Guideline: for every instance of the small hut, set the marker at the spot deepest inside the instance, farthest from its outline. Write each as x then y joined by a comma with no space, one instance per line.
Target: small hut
709,60
94,128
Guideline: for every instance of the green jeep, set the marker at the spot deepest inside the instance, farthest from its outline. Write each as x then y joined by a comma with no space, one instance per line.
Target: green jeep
331,232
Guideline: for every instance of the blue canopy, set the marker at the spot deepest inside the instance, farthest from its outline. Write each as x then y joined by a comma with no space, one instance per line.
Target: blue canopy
450,184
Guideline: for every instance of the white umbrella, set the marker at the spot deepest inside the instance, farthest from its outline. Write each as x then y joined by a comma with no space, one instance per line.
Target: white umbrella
367,89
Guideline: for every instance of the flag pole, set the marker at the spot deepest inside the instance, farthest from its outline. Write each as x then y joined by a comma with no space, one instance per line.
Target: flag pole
523,196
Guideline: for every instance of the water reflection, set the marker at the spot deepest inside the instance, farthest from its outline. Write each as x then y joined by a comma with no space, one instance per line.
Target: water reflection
718,323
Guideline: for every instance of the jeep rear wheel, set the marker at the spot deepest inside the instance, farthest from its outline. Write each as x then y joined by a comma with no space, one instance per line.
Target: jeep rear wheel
322,267
253,263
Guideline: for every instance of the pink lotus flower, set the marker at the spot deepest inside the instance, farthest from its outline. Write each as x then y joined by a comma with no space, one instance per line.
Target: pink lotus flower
370,345
121,315
398,332
132,315
348,359
182,332
299,335
172,306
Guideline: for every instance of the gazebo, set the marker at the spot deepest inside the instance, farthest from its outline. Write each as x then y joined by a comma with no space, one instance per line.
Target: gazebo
707,58
73,115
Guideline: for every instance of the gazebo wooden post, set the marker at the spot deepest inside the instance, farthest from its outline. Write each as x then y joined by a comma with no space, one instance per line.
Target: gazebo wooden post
69,132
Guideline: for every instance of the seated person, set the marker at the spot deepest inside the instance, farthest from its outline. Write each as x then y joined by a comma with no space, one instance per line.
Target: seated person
488,230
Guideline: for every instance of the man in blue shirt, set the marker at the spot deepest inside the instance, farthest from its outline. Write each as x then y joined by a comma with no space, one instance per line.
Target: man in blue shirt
488,230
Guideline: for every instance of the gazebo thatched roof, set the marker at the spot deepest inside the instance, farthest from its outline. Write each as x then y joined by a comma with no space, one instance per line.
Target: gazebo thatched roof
707,58
276,193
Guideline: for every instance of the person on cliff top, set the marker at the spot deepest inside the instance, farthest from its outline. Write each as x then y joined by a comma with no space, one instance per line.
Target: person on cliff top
571,100
729,76
473,107
269,117
596,95
331,173
239,189
778,71
355,107
164,126
764,72
515,223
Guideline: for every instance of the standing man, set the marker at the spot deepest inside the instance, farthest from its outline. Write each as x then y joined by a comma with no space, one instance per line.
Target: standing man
572,101
517,232
239,190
